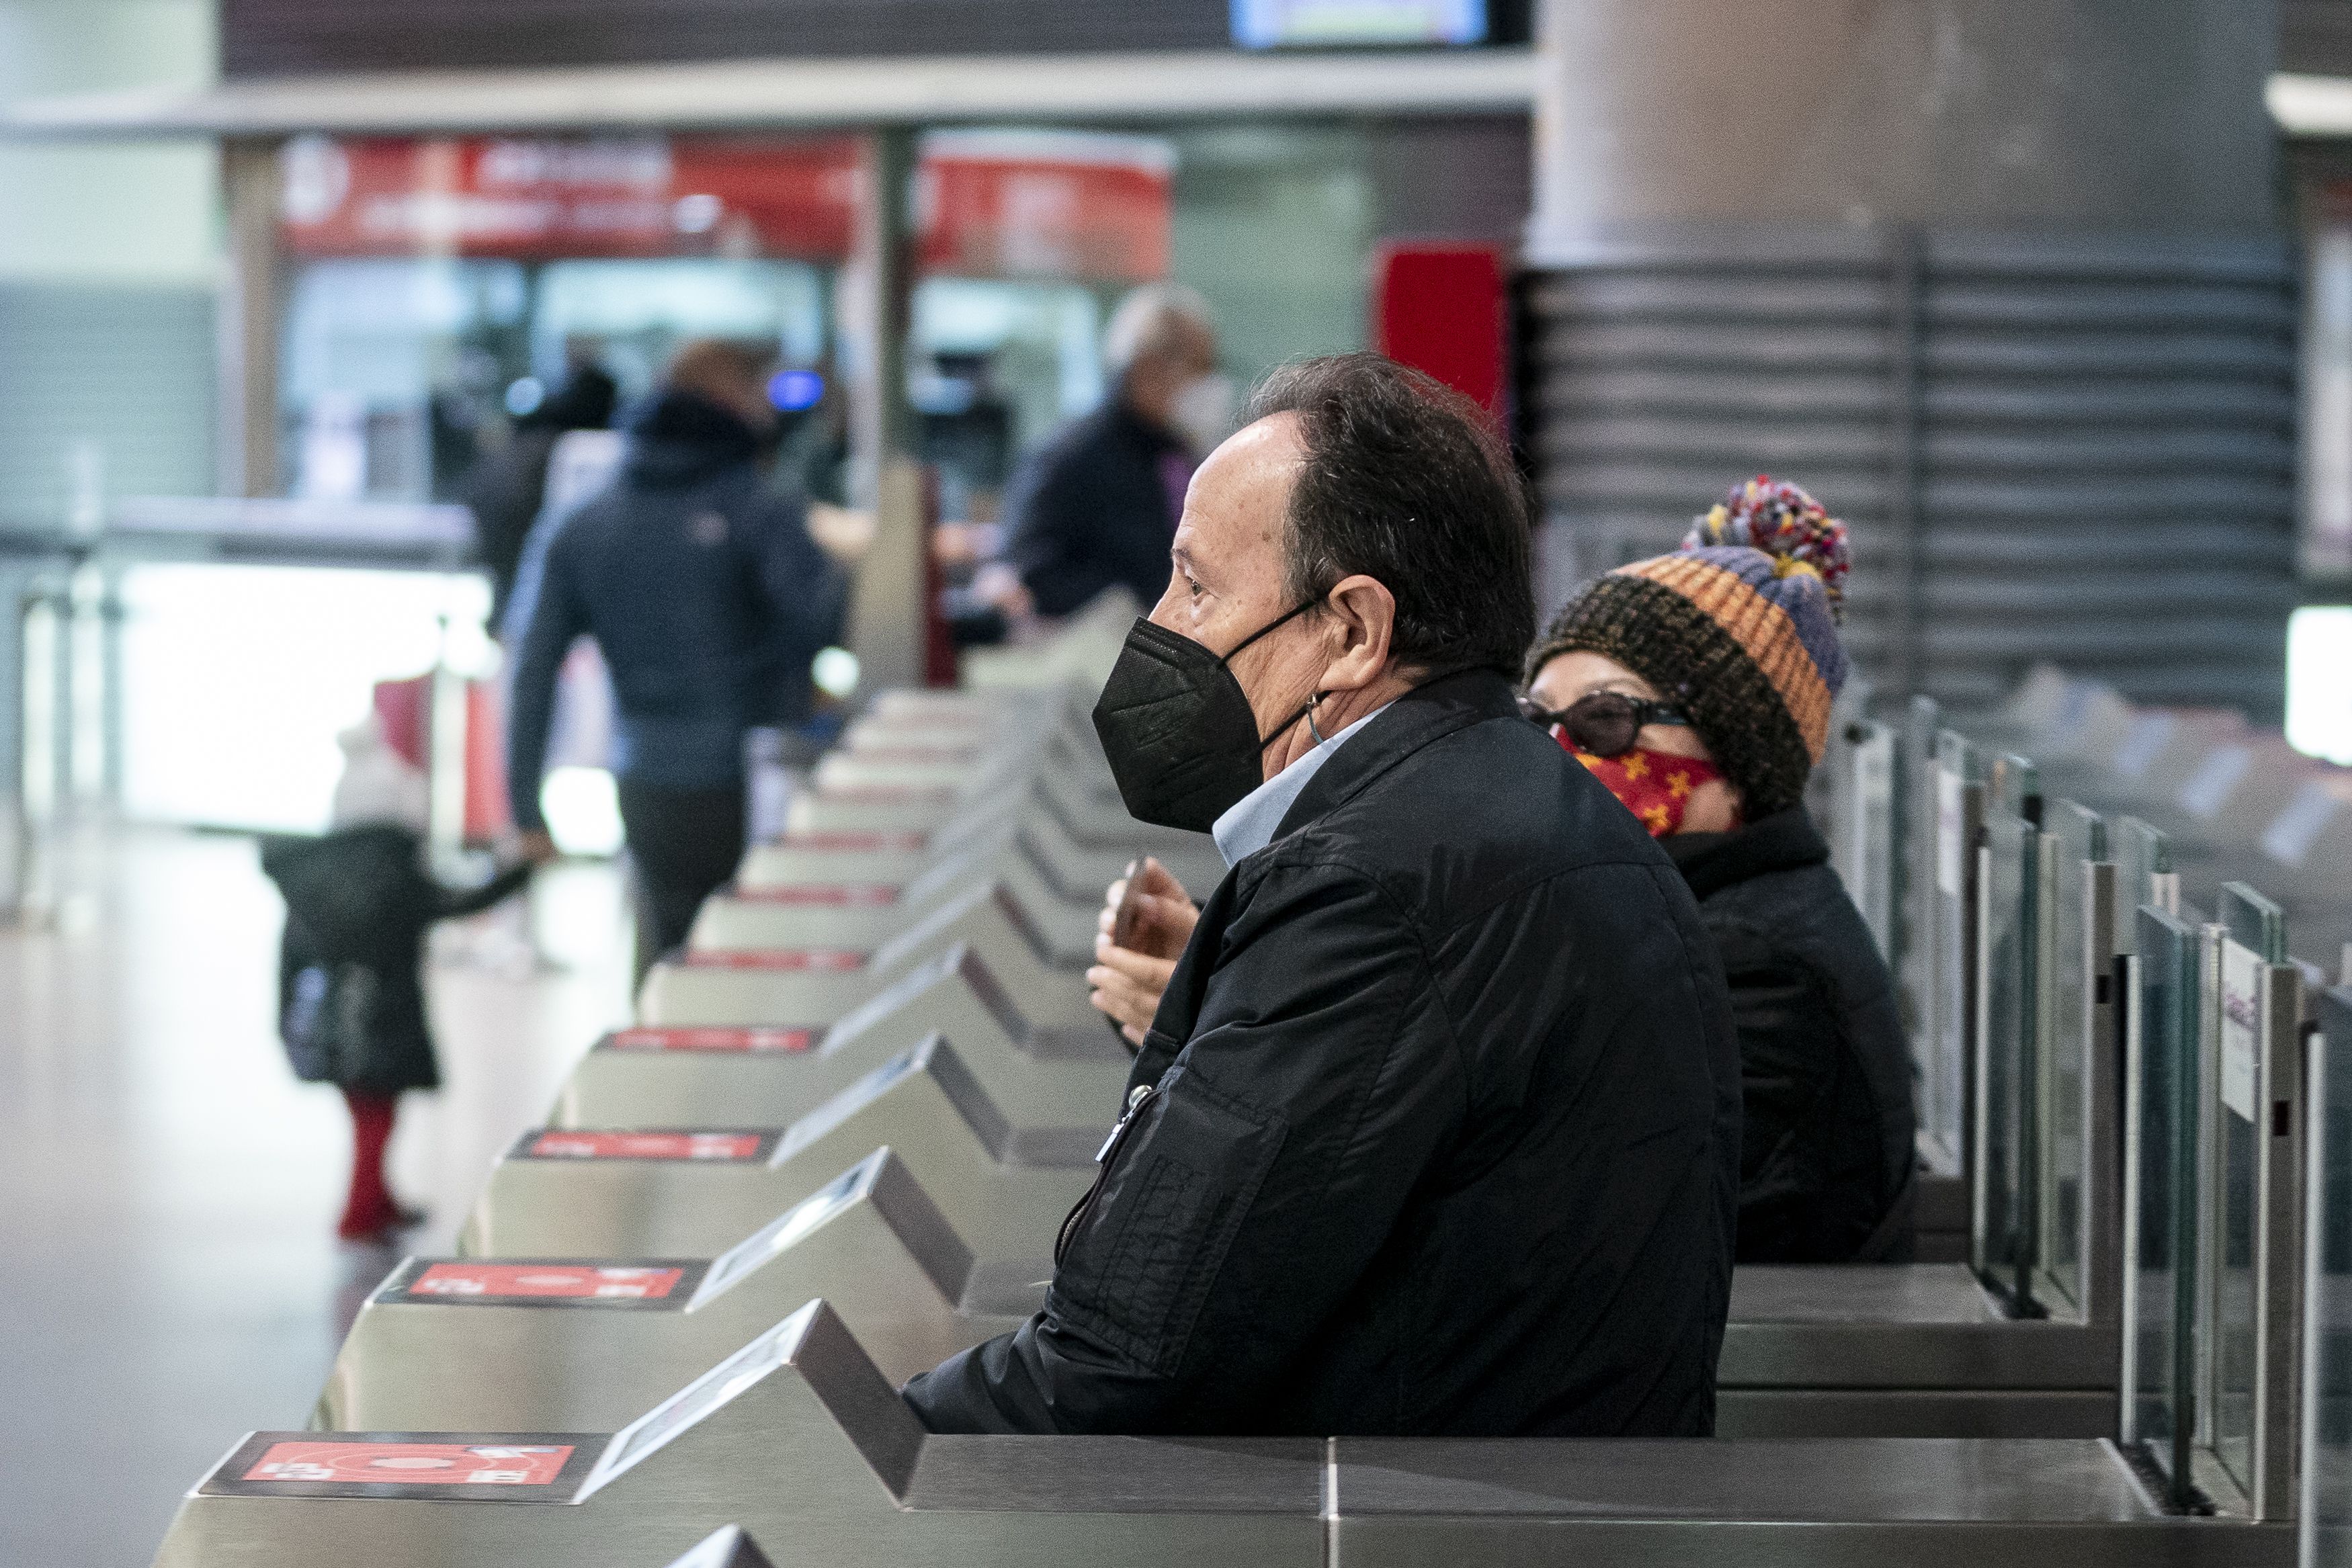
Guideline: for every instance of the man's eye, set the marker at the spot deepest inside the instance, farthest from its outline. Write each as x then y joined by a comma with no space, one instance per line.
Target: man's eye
1193,586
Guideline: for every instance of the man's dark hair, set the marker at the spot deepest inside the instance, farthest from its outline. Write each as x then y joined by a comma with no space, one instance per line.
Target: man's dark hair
1405,481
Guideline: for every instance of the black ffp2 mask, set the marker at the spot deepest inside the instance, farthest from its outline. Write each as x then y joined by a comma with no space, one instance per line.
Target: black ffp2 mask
1178,729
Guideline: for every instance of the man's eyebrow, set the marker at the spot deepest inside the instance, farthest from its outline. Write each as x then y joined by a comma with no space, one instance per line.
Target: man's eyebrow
1182,557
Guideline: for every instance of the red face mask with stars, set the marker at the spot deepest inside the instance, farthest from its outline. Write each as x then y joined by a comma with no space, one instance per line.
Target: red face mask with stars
1655,786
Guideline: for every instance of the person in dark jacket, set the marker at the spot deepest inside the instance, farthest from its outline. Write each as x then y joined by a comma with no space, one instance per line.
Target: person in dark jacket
351,985
507,488
708,599
1387,1163
1697,686
1096,505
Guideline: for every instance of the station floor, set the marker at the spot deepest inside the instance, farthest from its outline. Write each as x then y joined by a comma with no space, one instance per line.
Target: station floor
168,1274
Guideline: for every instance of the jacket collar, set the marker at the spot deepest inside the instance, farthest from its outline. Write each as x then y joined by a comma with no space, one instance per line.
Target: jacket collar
1428,713
1785,840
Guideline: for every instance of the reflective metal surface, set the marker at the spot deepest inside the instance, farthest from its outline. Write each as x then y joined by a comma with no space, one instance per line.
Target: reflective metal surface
1034,1077
924,1104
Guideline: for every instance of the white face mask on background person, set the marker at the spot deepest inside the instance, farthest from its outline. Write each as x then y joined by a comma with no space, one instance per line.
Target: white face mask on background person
1203,412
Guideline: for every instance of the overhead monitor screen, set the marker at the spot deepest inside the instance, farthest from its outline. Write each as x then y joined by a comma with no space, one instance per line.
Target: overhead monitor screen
1278,24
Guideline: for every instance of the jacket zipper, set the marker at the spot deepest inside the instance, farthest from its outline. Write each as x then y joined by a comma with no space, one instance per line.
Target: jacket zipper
1142,1094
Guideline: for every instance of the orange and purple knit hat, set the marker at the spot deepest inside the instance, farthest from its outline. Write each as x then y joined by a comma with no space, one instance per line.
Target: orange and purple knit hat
1738,629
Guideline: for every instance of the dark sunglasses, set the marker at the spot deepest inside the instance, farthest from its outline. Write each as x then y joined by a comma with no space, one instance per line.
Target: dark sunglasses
1602,723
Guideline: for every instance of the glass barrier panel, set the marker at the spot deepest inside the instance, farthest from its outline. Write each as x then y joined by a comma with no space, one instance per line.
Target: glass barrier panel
2002,1246
2252,936
1914,958
1866,827
2143,873
2079,842
2326,1513
2161,1269
1959,815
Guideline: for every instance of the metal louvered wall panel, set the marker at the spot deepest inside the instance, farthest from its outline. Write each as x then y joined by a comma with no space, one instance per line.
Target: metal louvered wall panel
2066,450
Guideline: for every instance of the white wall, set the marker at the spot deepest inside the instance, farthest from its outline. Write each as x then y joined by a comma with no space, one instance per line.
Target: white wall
141,213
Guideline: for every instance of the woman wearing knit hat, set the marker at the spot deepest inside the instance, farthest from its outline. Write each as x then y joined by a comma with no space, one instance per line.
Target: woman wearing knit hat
1697,686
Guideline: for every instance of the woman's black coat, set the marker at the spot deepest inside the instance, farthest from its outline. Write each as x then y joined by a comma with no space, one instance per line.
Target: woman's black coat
1827,1154
360,897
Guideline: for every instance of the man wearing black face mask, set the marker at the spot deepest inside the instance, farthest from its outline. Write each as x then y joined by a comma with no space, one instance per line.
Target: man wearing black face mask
1437,1129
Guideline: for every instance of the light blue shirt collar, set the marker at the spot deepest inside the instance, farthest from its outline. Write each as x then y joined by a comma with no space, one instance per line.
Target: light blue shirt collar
1249,823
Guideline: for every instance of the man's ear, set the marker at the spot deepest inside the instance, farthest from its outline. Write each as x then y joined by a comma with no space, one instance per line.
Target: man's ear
1364,611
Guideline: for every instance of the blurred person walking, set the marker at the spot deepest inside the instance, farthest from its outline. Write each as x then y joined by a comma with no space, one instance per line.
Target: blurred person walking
351,987
708,597
1097,506
505,489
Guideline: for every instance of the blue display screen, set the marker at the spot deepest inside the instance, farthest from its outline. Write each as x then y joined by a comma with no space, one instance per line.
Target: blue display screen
1308,24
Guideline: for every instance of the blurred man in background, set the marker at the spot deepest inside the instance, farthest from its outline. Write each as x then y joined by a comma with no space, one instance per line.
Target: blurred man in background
507,488
1097,506
708,599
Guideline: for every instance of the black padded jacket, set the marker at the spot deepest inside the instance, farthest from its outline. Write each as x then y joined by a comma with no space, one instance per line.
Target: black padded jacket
1436,1132
1825,1169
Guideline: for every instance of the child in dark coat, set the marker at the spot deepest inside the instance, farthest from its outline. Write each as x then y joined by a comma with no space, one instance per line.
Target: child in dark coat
352,1006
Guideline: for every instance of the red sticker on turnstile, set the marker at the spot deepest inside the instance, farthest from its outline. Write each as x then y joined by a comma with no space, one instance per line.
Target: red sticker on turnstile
546,1281
756,1041
826,958
399,1464
834,895
854,843
571,1145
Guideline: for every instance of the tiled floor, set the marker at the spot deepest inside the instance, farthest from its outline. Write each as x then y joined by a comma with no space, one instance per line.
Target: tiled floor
169,1278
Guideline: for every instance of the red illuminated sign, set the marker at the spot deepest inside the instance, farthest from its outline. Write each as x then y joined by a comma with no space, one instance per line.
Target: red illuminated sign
990,204
444,1464
544,1281
753,1041
572,1145
793,959
832,895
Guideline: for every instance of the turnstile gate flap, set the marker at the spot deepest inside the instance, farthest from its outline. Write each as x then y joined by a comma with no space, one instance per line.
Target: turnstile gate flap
727,1548
933,1063
958,961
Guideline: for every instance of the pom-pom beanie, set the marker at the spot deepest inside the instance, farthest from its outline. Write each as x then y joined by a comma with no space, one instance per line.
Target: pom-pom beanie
1737,630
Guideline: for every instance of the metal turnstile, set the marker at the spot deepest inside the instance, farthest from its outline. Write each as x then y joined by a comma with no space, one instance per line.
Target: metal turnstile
700,1074
495,1343
1005,1189
817,986
798,1438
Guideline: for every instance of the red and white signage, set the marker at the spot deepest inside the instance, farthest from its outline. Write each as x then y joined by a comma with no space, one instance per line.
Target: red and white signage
854,843
742,1040
830,896
989,204
716,1146
545,1282
439,1464
829,959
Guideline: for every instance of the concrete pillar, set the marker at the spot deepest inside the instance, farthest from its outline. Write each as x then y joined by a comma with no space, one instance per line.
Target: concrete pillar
1999,280
2141,115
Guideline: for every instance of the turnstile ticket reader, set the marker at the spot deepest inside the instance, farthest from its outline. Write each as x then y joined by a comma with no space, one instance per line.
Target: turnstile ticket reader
798,1438
762,1075
584,1193
807,986
509,1344
1063,929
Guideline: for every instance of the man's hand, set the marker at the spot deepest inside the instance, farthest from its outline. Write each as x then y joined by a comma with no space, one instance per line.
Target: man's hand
1127,979
537,846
